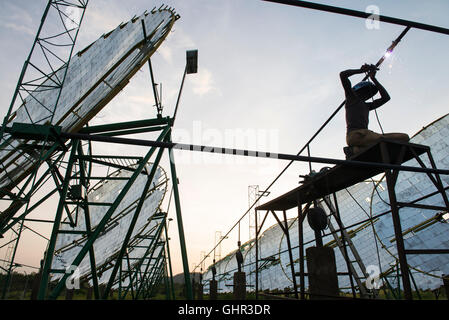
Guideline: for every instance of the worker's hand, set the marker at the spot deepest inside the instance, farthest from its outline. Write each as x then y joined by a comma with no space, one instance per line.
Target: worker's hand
372,74
369,68
365,68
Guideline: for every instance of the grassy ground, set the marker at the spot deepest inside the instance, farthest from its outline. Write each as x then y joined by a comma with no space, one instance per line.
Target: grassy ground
21,290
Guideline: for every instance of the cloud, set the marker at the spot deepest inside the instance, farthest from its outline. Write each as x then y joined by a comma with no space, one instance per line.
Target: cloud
20,28
203,83
20,20
178,41
167,53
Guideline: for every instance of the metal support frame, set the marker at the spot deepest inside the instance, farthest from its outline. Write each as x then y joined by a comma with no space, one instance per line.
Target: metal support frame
169,265
141,282
45,58
185,262
391,178
93,234
258,229
45,68
343,241
142,273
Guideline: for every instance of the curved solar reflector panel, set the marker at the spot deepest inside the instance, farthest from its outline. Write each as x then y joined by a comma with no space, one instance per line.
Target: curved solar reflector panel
138,263
95,75
109,243
375,242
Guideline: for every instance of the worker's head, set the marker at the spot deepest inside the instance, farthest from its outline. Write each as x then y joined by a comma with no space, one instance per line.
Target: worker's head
365,90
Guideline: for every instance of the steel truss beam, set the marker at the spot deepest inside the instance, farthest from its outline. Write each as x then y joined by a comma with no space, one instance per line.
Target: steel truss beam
78,157
250,153
50,54
148,272
44,69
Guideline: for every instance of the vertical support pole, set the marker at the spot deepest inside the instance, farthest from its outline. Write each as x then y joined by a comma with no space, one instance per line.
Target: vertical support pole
301,252
132,224
179,94
11,264
120,281
131,283
83,180
345,249
239,285
439,183
185,261
446,285
213,289
152,247
58,217
318,238
290,256
102,223
166,281
257,257
398,276
391,183
172,285
308,154
415,286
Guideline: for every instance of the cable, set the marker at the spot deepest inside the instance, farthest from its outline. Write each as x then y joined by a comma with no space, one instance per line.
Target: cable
378,194
370,216
378,121
388,251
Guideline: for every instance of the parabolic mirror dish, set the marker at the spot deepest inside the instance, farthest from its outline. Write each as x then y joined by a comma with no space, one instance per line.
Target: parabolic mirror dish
110,241
95,75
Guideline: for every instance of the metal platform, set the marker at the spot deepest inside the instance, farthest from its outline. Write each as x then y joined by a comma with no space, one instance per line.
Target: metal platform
343,176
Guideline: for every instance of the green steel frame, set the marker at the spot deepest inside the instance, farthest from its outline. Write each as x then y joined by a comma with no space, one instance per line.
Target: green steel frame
143,276
46,56
69,156
50,53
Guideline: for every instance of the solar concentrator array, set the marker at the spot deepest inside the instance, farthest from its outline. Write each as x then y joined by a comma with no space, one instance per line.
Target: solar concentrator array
95,75
374,241
109,243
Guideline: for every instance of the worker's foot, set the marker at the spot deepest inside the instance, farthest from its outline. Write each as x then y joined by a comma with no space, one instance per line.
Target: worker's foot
351,151
356,150
348,152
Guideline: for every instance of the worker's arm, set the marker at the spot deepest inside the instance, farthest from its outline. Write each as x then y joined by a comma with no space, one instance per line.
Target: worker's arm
344,77
384,96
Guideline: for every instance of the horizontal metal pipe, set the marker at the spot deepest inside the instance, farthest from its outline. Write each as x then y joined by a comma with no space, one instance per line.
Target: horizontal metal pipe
126,125
361,14
427,251
248,153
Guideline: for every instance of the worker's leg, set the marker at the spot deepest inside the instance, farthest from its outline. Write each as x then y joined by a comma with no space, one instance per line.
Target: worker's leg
403,137
358,139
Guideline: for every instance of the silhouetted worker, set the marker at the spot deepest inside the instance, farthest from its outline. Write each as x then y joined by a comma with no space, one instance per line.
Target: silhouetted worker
357,110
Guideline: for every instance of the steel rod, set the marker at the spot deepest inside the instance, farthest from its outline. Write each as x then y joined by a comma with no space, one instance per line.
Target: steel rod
249,153
361,14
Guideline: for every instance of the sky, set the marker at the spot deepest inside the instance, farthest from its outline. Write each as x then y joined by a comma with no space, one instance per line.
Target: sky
267,79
